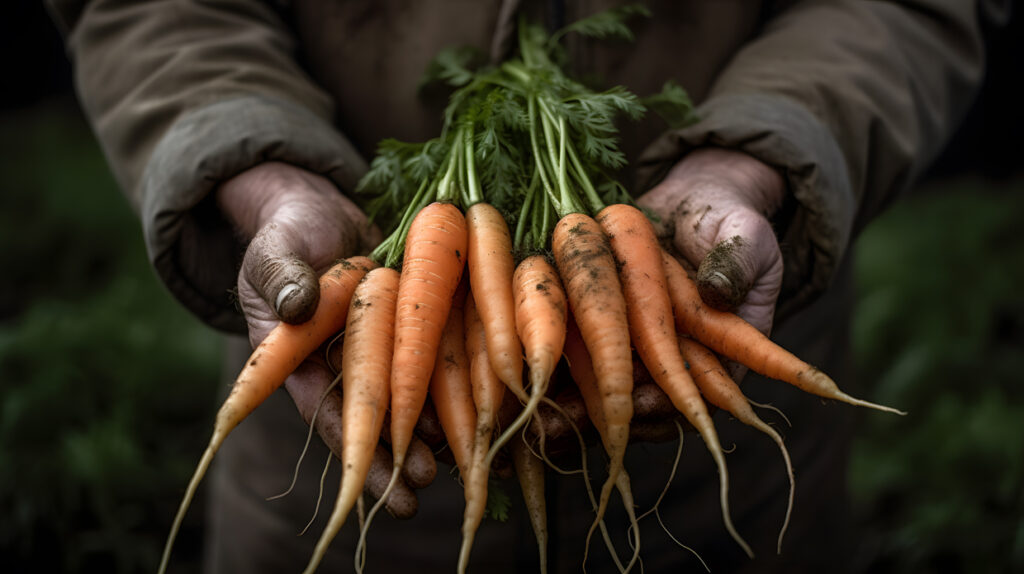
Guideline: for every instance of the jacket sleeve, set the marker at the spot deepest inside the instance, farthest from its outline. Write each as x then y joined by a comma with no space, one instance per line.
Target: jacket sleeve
184,95
851,100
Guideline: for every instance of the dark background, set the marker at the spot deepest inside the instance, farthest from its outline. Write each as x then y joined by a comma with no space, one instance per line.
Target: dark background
106,385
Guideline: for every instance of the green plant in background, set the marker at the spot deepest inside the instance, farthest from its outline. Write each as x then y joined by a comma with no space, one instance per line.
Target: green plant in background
939,330
106,384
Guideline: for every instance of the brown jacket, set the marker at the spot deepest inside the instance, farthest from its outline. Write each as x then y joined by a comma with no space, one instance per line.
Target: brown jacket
850,98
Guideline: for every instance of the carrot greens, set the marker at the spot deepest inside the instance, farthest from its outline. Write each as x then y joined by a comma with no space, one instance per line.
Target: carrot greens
521,135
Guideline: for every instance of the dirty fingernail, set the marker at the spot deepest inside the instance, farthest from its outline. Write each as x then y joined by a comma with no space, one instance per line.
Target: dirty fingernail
283,295
719,281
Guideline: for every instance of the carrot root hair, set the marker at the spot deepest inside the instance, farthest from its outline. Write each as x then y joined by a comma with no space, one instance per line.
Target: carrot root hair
360,553
664,491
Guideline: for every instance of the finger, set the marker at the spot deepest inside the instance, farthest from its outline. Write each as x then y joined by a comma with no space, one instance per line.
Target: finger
735,369
279,276
420,467
509,410
650,402
307,386
428,427
656,431
742,271
554,425
402,502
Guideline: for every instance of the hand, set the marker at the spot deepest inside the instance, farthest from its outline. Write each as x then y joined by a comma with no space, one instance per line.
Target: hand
714,207
299,225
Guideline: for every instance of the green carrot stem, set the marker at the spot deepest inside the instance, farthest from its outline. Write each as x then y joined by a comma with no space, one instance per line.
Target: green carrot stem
538,158
473,183
596,203
524,214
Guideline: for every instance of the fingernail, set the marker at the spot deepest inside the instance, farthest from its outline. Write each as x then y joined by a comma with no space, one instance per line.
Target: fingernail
719,281
283,295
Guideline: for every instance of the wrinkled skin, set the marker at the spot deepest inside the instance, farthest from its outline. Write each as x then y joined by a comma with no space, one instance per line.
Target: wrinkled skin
297,226
714,209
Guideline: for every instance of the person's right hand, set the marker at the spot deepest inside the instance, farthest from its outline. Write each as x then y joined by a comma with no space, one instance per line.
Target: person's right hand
297,225
714,210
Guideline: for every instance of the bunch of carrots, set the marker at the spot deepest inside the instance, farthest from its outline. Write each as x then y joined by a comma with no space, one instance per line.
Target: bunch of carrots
511,246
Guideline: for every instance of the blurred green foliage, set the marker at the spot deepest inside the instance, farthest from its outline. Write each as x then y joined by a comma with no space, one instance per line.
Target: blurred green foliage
107,384
939,331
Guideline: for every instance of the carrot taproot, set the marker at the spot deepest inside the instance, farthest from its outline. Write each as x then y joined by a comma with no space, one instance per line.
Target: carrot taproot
488,392
432,266
581,368
730,336
638,254
540,310
284,349
530,472
450,388
587,268
366,370
491,266
540,320
720,390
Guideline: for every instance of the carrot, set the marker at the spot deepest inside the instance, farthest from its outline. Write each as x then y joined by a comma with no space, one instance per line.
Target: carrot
720,390
432,267
488,391
491,266
595,296
530,472
270,364
366,368
540,319
638,254
581,368
451,391
540,309
729,335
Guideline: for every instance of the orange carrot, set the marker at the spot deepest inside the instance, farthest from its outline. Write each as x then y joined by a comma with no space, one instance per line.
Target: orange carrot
451,391
581,367
432,266
720,390
540,309
729,335
270,364
366,369
491,266
540,319
638,254
488,392
595,296
530,472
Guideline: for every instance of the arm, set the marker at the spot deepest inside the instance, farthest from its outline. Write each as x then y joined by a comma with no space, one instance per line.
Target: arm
848,102
221,142
183,96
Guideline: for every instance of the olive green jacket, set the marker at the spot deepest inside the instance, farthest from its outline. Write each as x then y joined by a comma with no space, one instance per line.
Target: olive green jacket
850,99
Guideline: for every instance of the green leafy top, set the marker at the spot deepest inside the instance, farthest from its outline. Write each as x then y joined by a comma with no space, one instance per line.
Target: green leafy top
522,135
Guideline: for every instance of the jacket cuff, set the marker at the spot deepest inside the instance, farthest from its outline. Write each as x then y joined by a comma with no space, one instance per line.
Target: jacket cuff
781,133
190,244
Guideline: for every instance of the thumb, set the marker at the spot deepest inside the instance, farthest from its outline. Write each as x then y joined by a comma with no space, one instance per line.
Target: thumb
283,280
741,270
